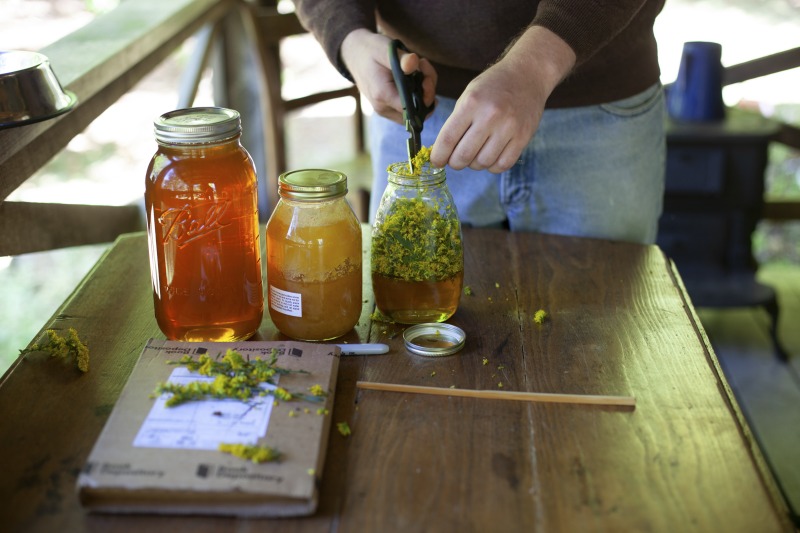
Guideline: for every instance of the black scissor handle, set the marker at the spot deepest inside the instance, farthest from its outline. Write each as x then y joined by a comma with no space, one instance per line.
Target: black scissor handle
410,88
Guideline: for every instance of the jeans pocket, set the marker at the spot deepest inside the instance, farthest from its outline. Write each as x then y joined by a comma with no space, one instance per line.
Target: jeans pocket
637,104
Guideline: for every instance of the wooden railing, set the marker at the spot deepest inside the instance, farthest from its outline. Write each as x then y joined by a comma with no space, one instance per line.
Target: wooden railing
99,63
777,210
105,59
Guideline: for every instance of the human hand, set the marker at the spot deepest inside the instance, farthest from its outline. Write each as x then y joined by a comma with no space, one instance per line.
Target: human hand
366,55
491,124
499,111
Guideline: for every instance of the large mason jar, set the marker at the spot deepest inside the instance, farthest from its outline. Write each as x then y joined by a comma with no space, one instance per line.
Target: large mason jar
314,257
417,255
202,227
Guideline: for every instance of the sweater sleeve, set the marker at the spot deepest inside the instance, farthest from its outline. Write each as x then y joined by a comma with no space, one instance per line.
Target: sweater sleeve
331,20
586,25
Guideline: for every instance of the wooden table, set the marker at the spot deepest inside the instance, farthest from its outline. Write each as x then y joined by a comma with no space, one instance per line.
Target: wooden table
620,323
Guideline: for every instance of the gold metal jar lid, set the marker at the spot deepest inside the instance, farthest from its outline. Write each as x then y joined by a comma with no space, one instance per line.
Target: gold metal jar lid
312,184
434,339
197,125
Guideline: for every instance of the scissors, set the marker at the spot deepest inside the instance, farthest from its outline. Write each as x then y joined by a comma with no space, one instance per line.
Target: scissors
414,109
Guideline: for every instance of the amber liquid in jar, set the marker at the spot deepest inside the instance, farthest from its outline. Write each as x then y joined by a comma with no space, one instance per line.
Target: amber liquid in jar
203,234
314,269
412,302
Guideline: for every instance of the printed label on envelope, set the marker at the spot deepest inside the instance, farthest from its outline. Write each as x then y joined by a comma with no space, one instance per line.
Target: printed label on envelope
204,425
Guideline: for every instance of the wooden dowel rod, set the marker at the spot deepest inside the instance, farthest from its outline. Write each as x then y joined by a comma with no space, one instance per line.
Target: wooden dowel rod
502,395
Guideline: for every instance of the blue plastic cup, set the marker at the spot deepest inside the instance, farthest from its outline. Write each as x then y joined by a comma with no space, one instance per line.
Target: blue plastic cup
697,93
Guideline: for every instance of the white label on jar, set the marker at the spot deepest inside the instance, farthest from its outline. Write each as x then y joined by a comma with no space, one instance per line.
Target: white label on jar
288,303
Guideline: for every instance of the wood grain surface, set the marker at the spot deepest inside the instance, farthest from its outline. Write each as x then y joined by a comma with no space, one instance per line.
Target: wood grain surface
619,324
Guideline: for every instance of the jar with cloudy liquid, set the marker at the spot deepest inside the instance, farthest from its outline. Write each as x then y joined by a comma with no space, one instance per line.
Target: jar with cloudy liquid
314,257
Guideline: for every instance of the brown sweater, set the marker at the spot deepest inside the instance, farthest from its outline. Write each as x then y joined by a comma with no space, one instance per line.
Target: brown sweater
613,39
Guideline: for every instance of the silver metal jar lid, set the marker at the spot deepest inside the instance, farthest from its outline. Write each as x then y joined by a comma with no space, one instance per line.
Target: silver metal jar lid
434,339
312,184
197,125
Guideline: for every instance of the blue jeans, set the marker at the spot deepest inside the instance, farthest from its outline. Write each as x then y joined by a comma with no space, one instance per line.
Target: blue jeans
594,171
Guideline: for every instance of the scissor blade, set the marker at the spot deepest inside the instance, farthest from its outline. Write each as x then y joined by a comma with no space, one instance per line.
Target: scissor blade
411,153
416,142
412,143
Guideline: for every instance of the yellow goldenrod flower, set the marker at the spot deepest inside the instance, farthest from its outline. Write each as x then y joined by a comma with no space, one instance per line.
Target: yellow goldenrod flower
235,377
256,454
206,365
282,394
219,385
316,390
417,162
234,358
64,347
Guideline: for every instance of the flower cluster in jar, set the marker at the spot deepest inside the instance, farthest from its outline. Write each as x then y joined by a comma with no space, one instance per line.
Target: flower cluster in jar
417,239
422,158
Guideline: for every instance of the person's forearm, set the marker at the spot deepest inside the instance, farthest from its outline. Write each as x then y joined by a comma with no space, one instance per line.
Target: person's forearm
543,54
353,43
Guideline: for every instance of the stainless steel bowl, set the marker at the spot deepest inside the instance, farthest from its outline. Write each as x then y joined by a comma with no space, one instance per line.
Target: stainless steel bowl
29,89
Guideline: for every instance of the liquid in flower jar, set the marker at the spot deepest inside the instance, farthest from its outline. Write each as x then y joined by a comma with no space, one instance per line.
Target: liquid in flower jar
314,257
417,254
202,228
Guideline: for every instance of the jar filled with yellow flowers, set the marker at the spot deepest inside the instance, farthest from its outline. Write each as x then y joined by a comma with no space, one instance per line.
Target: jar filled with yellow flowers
417,255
